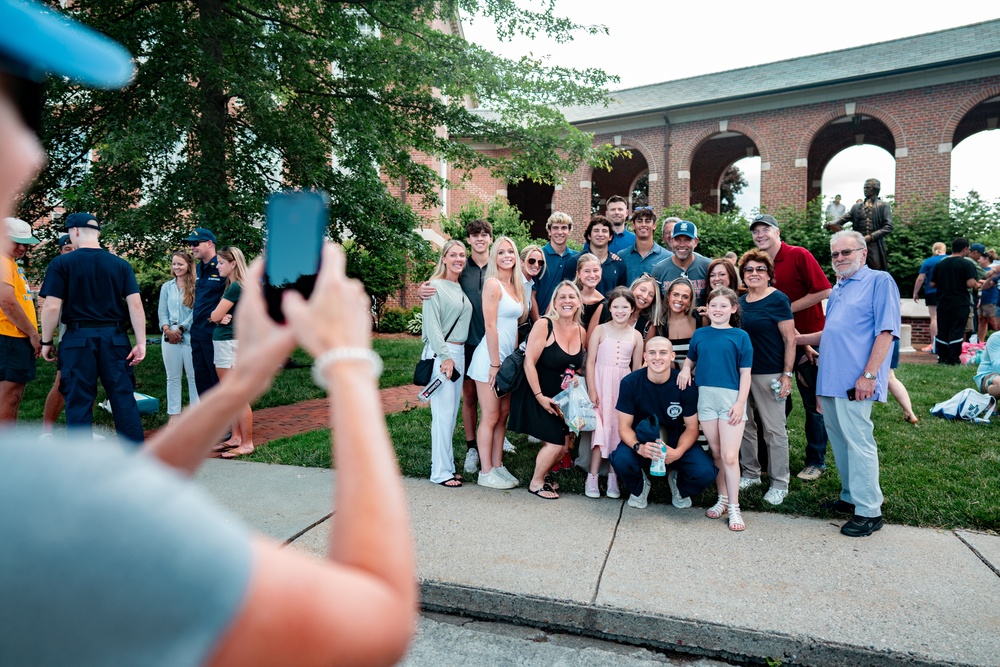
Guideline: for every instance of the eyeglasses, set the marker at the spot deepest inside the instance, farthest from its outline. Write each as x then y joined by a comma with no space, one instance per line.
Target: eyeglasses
844,253
755,269
194,244
533,262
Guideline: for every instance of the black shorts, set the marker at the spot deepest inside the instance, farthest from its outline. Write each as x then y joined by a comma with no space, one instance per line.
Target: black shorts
930,299
17,360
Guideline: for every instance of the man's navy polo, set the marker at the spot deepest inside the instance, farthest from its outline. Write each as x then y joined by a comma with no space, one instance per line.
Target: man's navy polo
208,291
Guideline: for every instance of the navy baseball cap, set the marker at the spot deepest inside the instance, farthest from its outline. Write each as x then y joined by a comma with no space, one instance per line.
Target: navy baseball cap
82,220
200,234
37,41
765,219
64,240
684,228
977,247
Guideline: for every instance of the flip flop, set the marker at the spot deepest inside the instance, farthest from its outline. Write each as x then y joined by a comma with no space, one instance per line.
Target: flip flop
222,447
233,453
545,489
550,481
453,483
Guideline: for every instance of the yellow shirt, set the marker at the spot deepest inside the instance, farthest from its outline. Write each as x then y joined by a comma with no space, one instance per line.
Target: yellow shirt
13,275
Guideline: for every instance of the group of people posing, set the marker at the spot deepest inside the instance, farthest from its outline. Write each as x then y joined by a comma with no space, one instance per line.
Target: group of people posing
673,347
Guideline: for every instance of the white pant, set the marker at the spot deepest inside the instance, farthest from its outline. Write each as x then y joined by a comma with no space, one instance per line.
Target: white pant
444,412
177,358
852,438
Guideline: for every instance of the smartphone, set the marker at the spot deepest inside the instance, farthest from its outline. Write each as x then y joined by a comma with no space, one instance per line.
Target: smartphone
852,394
296,227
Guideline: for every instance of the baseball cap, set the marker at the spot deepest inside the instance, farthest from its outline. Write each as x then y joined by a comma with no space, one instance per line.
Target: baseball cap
19,231
200,234
82,220
977,247
684,228
763,218
64,240
37,41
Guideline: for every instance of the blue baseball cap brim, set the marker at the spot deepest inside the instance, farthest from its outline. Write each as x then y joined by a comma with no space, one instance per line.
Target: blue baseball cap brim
36,42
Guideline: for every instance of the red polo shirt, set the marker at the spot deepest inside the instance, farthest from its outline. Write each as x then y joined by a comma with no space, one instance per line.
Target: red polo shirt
797,274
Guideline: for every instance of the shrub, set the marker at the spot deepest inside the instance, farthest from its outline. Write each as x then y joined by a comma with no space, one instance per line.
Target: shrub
416,324
393,320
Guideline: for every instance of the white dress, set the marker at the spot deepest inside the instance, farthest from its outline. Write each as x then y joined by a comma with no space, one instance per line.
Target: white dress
508,313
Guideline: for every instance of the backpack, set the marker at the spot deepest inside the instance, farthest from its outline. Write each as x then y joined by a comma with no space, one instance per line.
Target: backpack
968,404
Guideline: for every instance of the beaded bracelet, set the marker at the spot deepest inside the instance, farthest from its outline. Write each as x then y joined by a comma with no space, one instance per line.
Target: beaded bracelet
339,354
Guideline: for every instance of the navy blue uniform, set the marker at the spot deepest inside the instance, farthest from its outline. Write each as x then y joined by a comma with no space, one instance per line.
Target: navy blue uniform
208,291
92,284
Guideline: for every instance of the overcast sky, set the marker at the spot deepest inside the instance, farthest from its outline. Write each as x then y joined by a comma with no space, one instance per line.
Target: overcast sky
650,41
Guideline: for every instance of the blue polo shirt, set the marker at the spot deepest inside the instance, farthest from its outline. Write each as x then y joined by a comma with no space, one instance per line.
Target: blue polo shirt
860,308
636,264
612,273
556,266
621,242
208,291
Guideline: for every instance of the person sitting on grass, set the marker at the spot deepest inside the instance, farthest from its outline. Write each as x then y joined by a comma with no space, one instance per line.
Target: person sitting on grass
987,377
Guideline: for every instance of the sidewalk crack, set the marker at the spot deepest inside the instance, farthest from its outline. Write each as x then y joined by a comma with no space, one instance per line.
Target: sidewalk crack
607,554
305,530
974,550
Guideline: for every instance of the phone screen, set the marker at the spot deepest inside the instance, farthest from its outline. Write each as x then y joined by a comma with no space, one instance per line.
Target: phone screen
296,227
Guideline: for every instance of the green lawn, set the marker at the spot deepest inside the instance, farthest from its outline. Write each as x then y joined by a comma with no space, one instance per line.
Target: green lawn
291,386
936,473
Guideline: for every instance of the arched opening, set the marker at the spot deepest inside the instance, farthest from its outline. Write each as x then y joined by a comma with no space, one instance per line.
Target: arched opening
847,171
864,138
748,200
624,174
711,161
974,149
534,201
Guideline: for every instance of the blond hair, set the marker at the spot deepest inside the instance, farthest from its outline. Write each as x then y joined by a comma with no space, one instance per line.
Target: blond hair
553,314
439,269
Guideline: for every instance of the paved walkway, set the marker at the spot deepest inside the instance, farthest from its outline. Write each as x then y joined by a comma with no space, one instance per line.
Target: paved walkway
791,589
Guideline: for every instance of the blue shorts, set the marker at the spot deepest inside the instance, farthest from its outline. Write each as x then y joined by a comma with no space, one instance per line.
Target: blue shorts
715,403
17,360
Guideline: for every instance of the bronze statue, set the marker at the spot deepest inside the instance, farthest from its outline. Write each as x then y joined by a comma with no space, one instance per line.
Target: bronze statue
872,217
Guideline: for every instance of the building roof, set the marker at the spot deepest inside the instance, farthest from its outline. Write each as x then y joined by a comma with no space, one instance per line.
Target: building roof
932,50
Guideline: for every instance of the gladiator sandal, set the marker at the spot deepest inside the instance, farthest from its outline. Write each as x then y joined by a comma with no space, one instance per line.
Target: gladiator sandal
718,510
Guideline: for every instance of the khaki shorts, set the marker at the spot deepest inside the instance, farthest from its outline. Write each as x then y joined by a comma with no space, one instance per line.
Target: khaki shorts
225,353
988,310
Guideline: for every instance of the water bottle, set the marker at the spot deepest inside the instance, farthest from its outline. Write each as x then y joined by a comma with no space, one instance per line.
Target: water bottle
658,467
437,380
776,389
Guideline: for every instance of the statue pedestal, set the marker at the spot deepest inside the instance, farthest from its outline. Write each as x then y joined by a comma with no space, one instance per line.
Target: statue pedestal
905,346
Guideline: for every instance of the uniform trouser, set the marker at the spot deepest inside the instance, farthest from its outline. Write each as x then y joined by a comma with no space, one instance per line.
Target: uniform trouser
951,331
177,360
89,353
444,412
695,470
805,379
772,417
203,358
852,438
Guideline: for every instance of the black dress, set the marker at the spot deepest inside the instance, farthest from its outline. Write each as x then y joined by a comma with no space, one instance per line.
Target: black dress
590,309
526,415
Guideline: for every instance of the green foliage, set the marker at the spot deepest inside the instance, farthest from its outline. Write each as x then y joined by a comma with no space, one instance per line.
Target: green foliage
416,324
232,101
151,274
506,221
394,320
732,184
717,234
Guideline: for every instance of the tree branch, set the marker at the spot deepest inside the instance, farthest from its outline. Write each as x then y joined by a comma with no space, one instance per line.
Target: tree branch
263,17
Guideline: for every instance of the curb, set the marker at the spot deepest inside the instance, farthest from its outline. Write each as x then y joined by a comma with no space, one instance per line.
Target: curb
684,635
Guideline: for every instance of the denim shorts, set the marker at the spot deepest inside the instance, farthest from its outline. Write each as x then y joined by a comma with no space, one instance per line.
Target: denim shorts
715,403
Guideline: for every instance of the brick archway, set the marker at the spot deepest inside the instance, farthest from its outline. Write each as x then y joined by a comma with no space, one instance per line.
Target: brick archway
624,171
711,153
959,126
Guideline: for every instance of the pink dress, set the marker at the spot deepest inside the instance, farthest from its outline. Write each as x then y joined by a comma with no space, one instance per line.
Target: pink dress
614,358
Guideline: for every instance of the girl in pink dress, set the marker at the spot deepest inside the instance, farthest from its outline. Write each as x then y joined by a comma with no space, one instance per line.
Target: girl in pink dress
615,350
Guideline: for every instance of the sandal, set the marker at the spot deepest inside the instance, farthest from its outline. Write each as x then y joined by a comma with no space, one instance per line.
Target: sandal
453,483
545,489
735,519
551,482
719,509
223,447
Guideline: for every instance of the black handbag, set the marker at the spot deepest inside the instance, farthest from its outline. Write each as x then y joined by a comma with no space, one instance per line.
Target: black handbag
424,370
511,372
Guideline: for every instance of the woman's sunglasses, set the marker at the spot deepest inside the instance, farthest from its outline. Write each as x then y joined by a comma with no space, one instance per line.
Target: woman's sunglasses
533,262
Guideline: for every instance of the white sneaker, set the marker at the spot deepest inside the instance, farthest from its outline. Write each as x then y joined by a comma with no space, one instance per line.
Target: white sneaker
613,491
747,482
503,473
775,496
508,447
494,480
678,501
639,502
472,461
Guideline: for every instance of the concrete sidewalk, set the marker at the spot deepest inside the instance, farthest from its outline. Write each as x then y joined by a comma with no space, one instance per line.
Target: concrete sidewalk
788,588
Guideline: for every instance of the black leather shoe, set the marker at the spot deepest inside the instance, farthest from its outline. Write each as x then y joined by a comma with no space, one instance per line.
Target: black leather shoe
862,526
837,506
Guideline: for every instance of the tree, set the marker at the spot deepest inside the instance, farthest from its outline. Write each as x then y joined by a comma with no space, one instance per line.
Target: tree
235,98
732,184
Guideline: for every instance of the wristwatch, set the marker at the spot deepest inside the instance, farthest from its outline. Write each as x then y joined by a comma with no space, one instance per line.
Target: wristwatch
788,374
868,376
635,447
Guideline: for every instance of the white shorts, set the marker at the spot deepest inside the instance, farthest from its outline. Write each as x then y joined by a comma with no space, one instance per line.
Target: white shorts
225,353
715,403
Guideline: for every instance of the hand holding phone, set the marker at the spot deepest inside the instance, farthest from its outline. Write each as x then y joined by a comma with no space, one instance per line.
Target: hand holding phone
296,227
